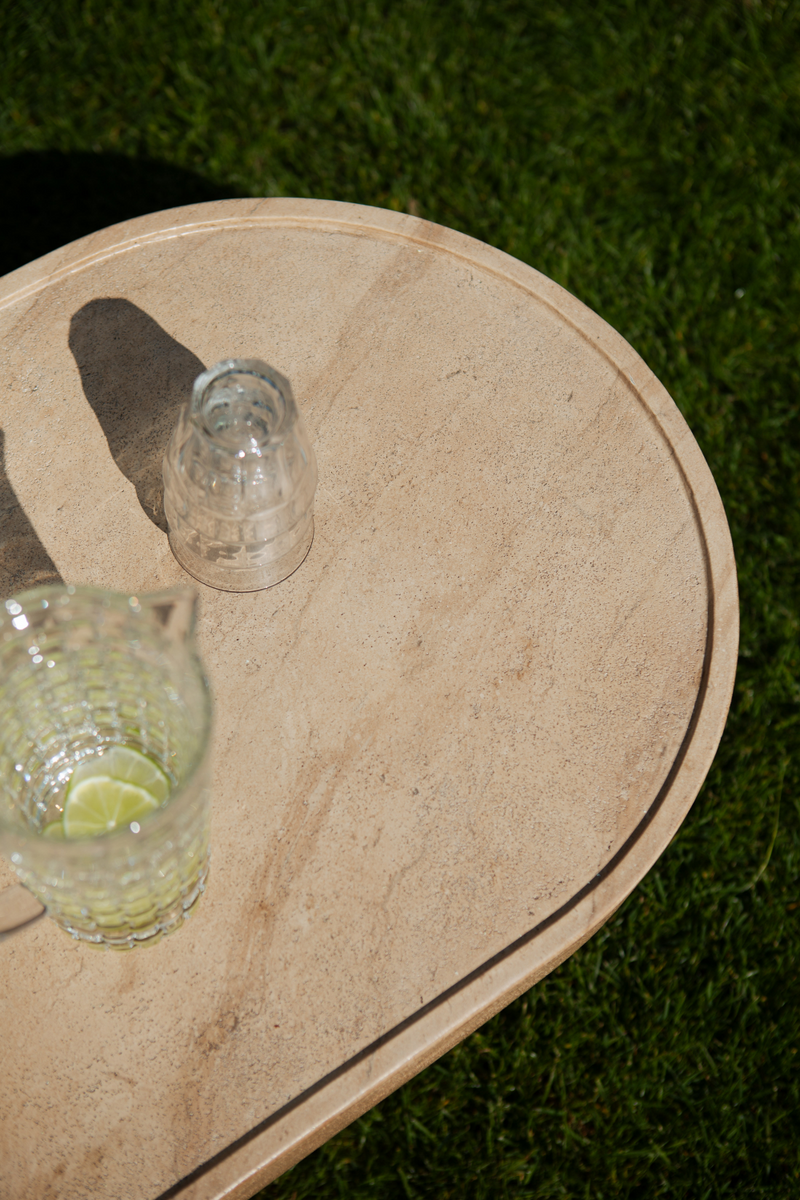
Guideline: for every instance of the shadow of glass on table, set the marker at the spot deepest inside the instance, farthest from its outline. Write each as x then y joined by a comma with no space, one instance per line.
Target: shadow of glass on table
134,374
24,562
135,377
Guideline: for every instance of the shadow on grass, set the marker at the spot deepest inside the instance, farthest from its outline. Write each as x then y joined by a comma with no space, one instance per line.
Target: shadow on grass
48,199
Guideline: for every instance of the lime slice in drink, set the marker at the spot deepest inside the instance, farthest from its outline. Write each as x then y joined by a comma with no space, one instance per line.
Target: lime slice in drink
54,830
128,766
99,804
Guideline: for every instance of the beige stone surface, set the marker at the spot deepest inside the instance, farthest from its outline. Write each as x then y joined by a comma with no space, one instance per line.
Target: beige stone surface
446,748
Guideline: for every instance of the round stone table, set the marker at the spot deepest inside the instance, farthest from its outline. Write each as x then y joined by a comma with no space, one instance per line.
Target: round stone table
446,748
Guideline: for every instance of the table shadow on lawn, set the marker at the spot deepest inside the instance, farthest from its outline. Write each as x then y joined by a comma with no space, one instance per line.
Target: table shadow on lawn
48,199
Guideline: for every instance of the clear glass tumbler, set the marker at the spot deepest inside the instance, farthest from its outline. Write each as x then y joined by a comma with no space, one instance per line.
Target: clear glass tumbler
239,479
83,671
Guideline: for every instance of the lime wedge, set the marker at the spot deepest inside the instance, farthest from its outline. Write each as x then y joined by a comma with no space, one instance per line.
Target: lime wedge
54,830
128,766
99,804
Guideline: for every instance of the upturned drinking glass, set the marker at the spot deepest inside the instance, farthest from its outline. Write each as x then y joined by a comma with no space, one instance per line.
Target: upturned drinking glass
239,479
82,671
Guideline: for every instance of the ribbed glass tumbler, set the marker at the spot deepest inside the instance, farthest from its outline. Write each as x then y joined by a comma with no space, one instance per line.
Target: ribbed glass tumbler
239,479
86,678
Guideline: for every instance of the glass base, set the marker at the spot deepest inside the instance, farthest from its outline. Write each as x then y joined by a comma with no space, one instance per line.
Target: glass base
128,938
230,578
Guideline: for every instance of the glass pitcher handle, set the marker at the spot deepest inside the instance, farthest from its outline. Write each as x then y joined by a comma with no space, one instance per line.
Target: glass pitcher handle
18,907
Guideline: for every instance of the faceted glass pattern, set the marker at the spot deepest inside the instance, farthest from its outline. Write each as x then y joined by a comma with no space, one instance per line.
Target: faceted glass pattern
82,670
239,479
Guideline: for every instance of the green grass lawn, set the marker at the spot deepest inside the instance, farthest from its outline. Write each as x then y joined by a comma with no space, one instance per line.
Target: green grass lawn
647,156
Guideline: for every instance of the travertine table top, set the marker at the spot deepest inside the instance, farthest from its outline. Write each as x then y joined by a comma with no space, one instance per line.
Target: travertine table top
446,748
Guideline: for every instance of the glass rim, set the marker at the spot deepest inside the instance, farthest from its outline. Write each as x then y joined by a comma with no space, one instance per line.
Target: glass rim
258,369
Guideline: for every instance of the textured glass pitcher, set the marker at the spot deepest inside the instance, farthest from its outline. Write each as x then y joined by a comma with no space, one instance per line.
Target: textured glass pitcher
83,671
